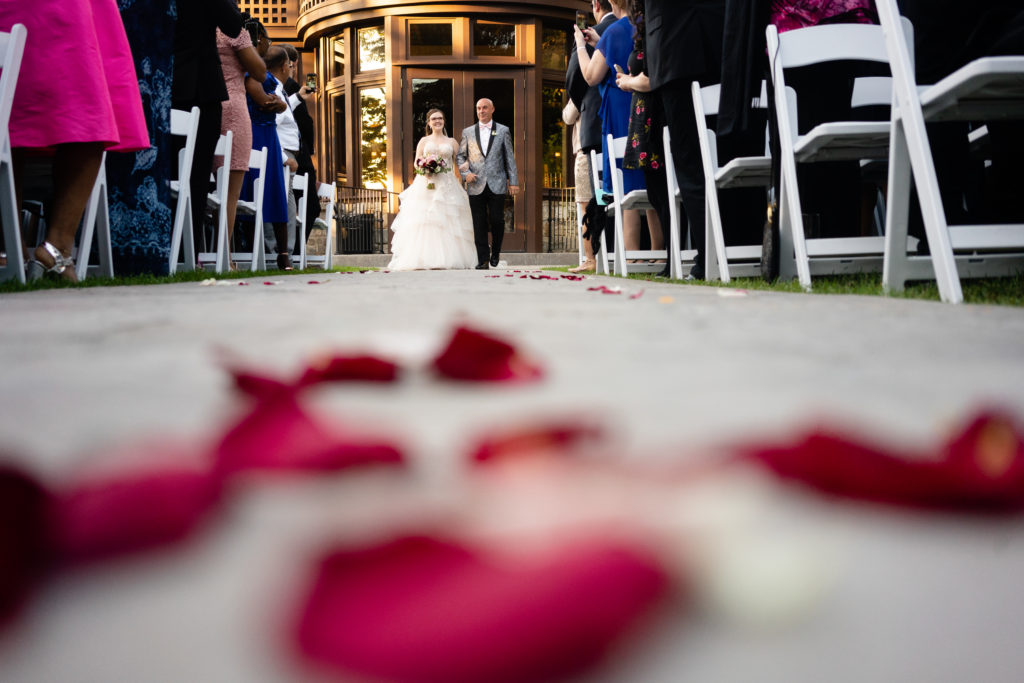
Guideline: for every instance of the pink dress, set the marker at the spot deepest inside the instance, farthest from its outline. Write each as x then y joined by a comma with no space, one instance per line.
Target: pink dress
235,113
77,81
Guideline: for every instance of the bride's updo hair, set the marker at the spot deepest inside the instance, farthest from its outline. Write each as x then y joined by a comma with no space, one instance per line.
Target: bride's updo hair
431,113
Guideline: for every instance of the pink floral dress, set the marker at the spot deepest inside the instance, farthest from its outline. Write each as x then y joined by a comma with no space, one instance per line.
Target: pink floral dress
234,111
787,15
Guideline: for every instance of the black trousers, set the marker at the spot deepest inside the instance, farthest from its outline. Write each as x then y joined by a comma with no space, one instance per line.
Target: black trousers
488,211
202,165
681,122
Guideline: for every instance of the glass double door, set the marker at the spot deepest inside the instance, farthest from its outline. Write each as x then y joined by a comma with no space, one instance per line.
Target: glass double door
456,94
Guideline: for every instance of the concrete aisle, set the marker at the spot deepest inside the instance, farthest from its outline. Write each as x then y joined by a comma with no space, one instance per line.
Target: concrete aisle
673,372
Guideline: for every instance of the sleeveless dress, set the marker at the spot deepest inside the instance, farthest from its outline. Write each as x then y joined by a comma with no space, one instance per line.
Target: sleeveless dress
77,81
264,134
234,112
434,228
616,44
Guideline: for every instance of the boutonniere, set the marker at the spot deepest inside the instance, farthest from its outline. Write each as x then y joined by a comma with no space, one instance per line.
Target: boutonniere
494,133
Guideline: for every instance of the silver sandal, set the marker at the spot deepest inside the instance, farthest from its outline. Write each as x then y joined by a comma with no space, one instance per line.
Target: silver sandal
35,269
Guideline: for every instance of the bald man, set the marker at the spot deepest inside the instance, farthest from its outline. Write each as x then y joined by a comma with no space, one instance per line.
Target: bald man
488,164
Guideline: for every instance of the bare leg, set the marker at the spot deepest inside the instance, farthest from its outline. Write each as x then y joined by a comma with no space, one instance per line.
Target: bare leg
654,226
589,264
631,230
235,179
75,166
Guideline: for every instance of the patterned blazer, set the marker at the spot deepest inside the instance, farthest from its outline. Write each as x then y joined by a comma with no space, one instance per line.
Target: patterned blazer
496,169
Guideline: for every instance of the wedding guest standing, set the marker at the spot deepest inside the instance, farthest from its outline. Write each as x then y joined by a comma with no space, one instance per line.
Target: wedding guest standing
611,53
587,97
76,96
684,44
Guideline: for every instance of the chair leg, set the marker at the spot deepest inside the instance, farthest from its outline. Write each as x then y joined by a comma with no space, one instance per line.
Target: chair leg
15,268
717,266
894,264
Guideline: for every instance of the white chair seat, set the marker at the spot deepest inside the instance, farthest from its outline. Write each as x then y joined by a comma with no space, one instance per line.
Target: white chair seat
745,172
844,141
636,200
988,88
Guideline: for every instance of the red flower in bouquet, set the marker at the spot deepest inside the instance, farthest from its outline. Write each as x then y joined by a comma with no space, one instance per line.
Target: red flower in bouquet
429,166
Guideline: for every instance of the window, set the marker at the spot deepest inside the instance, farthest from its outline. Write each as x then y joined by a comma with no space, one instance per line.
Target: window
493,39
555,148
340,134
555,49
371,48
429,39
337,52
373,137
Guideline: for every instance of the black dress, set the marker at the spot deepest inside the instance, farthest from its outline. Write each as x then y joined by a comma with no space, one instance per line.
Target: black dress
644,144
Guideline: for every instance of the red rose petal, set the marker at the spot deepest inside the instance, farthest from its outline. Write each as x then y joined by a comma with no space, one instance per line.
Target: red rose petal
475,356
981,469
637,295
429,610
535,440
350,369
23,539
604,290
257,386
131,512
279,435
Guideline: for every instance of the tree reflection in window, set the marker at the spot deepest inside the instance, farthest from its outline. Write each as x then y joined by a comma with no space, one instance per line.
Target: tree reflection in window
491,39
373,137
371,48
555,49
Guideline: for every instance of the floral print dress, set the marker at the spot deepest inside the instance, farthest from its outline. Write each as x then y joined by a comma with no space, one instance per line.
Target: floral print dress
644,148
787,15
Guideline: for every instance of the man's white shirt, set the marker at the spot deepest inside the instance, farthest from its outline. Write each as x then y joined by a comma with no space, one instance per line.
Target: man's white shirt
287,129
485,136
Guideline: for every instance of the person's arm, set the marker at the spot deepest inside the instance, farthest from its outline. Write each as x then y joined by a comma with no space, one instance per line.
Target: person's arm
570,114
462,156
301,96
638,83
510,165
252,63
594,67
266,102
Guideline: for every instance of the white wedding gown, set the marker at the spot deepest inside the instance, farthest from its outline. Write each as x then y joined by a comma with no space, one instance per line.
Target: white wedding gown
434,228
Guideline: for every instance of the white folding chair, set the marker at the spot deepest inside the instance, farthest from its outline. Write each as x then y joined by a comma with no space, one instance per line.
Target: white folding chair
254,208
636,200
183,124
218,201
604,255
12,46
96,221
301,182
676,255
989,88
723,262
834,141
329,192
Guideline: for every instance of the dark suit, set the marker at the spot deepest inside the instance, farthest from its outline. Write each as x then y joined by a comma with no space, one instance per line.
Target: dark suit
590,103
946,37
199,82
304,155
684,44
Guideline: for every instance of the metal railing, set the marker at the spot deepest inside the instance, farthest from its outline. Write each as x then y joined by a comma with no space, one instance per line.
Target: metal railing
559,215
364,217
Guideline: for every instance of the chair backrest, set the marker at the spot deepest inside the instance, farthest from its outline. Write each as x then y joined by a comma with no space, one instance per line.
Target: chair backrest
12,47
185,123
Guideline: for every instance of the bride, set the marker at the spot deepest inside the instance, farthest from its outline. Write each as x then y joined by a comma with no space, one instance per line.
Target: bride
434,227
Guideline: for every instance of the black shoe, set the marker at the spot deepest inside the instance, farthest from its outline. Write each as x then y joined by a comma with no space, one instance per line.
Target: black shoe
663,272
494,262
482,266
696,273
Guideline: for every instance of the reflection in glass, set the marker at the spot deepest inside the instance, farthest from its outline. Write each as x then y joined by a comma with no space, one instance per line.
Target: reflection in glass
340,135
338,57
427,94
555,49
554,148
371,48
373,137
429,39
491,39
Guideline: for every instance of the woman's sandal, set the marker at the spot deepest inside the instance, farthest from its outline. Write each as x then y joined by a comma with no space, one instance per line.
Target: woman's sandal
63,266
284,261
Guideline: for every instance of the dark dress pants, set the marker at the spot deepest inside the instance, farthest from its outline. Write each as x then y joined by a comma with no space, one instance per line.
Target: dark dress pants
681,121
488,211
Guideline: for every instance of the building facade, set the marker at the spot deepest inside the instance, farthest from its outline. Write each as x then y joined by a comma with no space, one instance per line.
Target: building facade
381,64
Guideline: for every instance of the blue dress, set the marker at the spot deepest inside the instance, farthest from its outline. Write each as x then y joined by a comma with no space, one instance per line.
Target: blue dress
264,134
616,45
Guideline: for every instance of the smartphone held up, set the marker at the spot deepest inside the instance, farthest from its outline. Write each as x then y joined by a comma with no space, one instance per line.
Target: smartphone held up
581,20
311,81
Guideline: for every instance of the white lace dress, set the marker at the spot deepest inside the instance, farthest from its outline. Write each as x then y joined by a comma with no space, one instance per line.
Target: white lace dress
434,228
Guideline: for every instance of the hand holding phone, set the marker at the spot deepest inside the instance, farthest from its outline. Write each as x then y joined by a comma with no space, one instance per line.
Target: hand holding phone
618,69
581,20
311,81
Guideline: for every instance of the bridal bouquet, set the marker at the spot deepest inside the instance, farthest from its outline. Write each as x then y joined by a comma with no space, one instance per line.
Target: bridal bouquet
430,165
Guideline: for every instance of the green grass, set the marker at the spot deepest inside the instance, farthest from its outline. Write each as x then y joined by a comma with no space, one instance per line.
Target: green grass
11,286
1006,291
